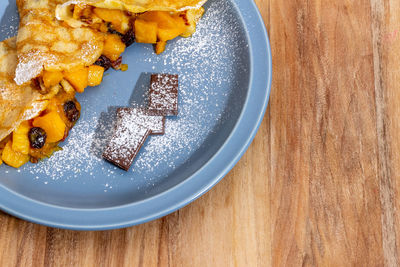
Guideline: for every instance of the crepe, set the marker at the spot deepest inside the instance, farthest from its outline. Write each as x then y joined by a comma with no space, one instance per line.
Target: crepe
133,6
142,21
44,43
17,103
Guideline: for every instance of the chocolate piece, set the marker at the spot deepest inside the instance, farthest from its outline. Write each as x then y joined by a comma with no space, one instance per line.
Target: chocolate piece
133,126
163,95
142,117
126,142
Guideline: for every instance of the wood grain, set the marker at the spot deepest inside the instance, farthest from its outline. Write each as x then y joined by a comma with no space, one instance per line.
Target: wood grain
320,184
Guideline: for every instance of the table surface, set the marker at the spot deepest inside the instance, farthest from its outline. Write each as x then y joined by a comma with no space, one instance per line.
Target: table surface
319,184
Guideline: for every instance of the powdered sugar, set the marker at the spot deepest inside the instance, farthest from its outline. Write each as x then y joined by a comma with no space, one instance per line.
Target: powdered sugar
207,64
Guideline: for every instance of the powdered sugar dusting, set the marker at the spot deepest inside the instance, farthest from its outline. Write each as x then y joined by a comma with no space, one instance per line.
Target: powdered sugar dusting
207,64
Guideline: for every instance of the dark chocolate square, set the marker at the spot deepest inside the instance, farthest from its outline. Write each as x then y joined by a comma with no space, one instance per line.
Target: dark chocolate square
126,142
163,94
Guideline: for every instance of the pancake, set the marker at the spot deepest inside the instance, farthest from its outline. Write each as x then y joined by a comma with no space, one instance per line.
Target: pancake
44,43
61,35
135,6
150,21
17,103
32,120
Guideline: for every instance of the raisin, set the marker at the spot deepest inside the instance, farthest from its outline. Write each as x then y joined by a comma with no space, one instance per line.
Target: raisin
129,37
37,137
104,62
71,112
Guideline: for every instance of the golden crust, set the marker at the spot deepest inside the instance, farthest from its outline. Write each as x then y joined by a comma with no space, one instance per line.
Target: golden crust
43,42
17,103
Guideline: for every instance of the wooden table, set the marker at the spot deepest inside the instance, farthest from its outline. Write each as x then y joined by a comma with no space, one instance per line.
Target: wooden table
318,186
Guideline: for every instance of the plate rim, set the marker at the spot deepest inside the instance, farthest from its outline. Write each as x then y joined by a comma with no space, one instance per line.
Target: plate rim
188,190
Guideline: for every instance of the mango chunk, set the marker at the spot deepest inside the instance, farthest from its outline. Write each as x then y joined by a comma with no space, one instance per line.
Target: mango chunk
51,78
95,75
52,124
168,34
162,18
78,78
118,19
145,31
113,47
20,141
160,47
13,158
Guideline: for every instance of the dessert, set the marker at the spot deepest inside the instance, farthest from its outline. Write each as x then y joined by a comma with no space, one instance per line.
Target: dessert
50,51
135,125
146,21
32,123
163,94
61,48
132,128
65,38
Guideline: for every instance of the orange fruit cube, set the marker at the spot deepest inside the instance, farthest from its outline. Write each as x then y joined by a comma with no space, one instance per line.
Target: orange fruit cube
145,31
51,78
160,47
95,75
168,34
13,158
78,78
52,124
162,18
113,47
20,138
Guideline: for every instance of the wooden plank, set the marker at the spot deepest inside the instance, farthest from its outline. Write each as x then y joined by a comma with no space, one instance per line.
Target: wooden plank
326,145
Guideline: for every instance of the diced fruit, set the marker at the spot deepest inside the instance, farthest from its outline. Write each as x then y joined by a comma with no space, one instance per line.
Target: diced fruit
53,125
51,78
37,137
71,111
118,18
20,138
124,67
95,75
145,31
78,78
160,47
13,158
162,18
168,34
113,47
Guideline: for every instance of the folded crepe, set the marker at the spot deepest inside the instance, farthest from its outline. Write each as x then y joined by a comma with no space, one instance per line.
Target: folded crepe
63,36
32,121
44,43
136,6
17,103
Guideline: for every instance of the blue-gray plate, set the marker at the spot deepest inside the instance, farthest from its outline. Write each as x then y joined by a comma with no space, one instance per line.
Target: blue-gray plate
225,77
